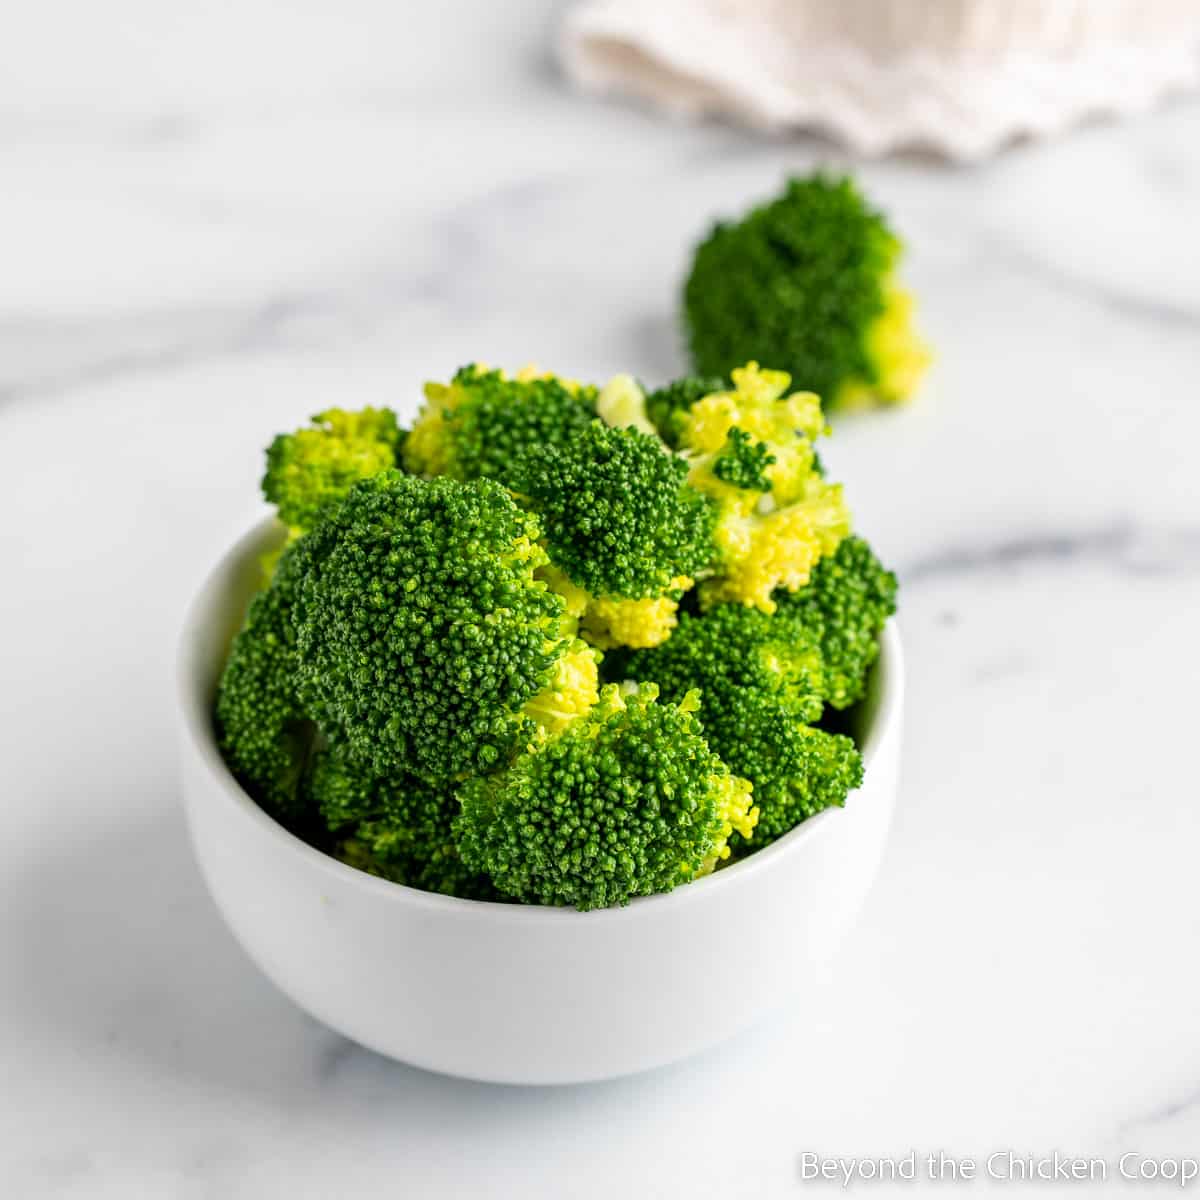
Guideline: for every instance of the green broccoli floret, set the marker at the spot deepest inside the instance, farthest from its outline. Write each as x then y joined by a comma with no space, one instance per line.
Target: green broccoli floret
262,728
473,427
667,406
807,283
742,462
425,643
796,770
728,651
623,527
624,802
761,681
844,607
398,828
311,469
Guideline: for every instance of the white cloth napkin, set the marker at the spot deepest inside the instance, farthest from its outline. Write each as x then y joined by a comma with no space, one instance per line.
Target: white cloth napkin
960,77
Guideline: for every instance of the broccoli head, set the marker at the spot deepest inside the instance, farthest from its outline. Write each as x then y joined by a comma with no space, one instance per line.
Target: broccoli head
750,449
311,469
262,728
624,802
473,427
726,652
761,682
397,827
807,283
844,607
623,527
425,642
797,770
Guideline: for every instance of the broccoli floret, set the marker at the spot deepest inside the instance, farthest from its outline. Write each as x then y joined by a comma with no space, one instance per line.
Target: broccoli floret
796,770
397,828
617,513
262,728
625,802
761,682
728,651
668,406
622,525
426,644
743,462
807,283
473,427
311,469
736,441
844,607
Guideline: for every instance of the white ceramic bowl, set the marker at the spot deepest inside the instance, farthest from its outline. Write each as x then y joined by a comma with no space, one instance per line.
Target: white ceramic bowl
514,993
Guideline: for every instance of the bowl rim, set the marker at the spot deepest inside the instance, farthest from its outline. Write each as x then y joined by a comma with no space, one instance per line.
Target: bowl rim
197,727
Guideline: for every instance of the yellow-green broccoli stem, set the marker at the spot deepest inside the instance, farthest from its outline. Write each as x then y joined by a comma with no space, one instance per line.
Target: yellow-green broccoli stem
808,283
751,451
621,404
898,355
610,621
625,802
472,427
422,629
572,691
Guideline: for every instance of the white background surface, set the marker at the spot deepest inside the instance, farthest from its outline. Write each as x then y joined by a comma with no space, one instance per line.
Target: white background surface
217,220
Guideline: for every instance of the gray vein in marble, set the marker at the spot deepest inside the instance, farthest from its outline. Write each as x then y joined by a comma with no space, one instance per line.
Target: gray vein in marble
1128,548
1161,313
148,344
1165,1112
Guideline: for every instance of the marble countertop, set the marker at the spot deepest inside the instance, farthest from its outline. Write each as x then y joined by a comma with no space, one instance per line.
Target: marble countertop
219,220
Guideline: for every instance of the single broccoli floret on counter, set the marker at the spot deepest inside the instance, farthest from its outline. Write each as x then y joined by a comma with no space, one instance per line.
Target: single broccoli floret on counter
398,827
624,802
311,469
621,525
807,283
668,406
844,608
750,449
473,427
425,642
262,728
